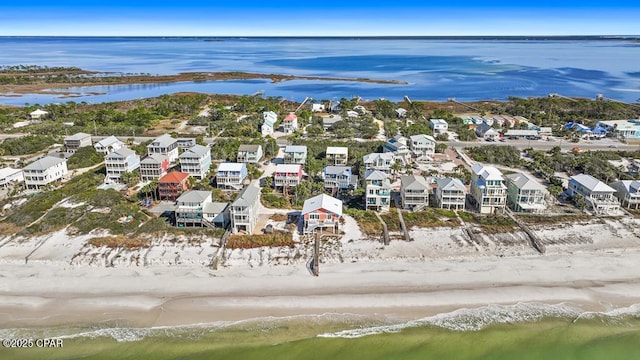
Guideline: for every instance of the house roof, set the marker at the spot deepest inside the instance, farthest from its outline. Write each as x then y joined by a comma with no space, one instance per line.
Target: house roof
486,172
290,117
196,151
592,183
413,182
122,152
108,141
173,177
517,132
630,186
295,149
194,196
451,184
163,141
374,156
337,150
375,175
38,112
153,159
422,137
524,182
249,148
322,201
483,128
248,196
45,163
340,170
288,168
215,207
77,136
438,122
8,171
231,166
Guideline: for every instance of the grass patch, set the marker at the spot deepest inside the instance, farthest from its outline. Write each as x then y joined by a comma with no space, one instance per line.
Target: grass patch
550,220
275,201
493,224
39,203
278,238
369,224
55,220
430,218
392,220
161,226
84,157
120,241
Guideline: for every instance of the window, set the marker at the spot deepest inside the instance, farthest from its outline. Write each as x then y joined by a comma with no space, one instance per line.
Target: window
314,216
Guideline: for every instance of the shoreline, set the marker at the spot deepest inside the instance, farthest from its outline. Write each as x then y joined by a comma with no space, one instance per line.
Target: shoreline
10,90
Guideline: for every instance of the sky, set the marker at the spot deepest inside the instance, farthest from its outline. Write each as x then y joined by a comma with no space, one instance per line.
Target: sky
317,18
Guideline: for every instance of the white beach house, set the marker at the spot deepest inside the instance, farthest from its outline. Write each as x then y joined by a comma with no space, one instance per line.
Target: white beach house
44,171
488,190
599,196
414,192
196,161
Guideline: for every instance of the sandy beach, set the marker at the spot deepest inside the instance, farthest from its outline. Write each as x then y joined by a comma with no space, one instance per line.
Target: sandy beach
596,271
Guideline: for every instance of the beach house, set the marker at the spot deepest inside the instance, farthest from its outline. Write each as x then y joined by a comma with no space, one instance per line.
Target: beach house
244,210
108,144
414,192
439,126
599,196
76,141
524,194
10,176
195,208
422,146
397,145
44,171
378,191
338,178
164,145
269,119
287,175
321,213
337,155
123,160
379,161
450,193
38,114
628,130
290,123
173,185
295,154
196,161
628,193
153,167
488,191
231,176
249,154
486,132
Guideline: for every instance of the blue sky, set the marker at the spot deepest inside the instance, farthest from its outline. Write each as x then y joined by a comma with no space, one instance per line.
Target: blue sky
318,18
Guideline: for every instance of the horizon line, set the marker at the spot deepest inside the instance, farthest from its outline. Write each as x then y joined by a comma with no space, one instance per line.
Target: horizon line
524,36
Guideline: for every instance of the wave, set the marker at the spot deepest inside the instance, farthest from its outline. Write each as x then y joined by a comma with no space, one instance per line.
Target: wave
132,334
464,319
479,318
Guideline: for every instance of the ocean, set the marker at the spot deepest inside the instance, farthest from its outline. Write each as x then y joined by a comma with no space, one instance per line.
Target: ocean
434,69
522,331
